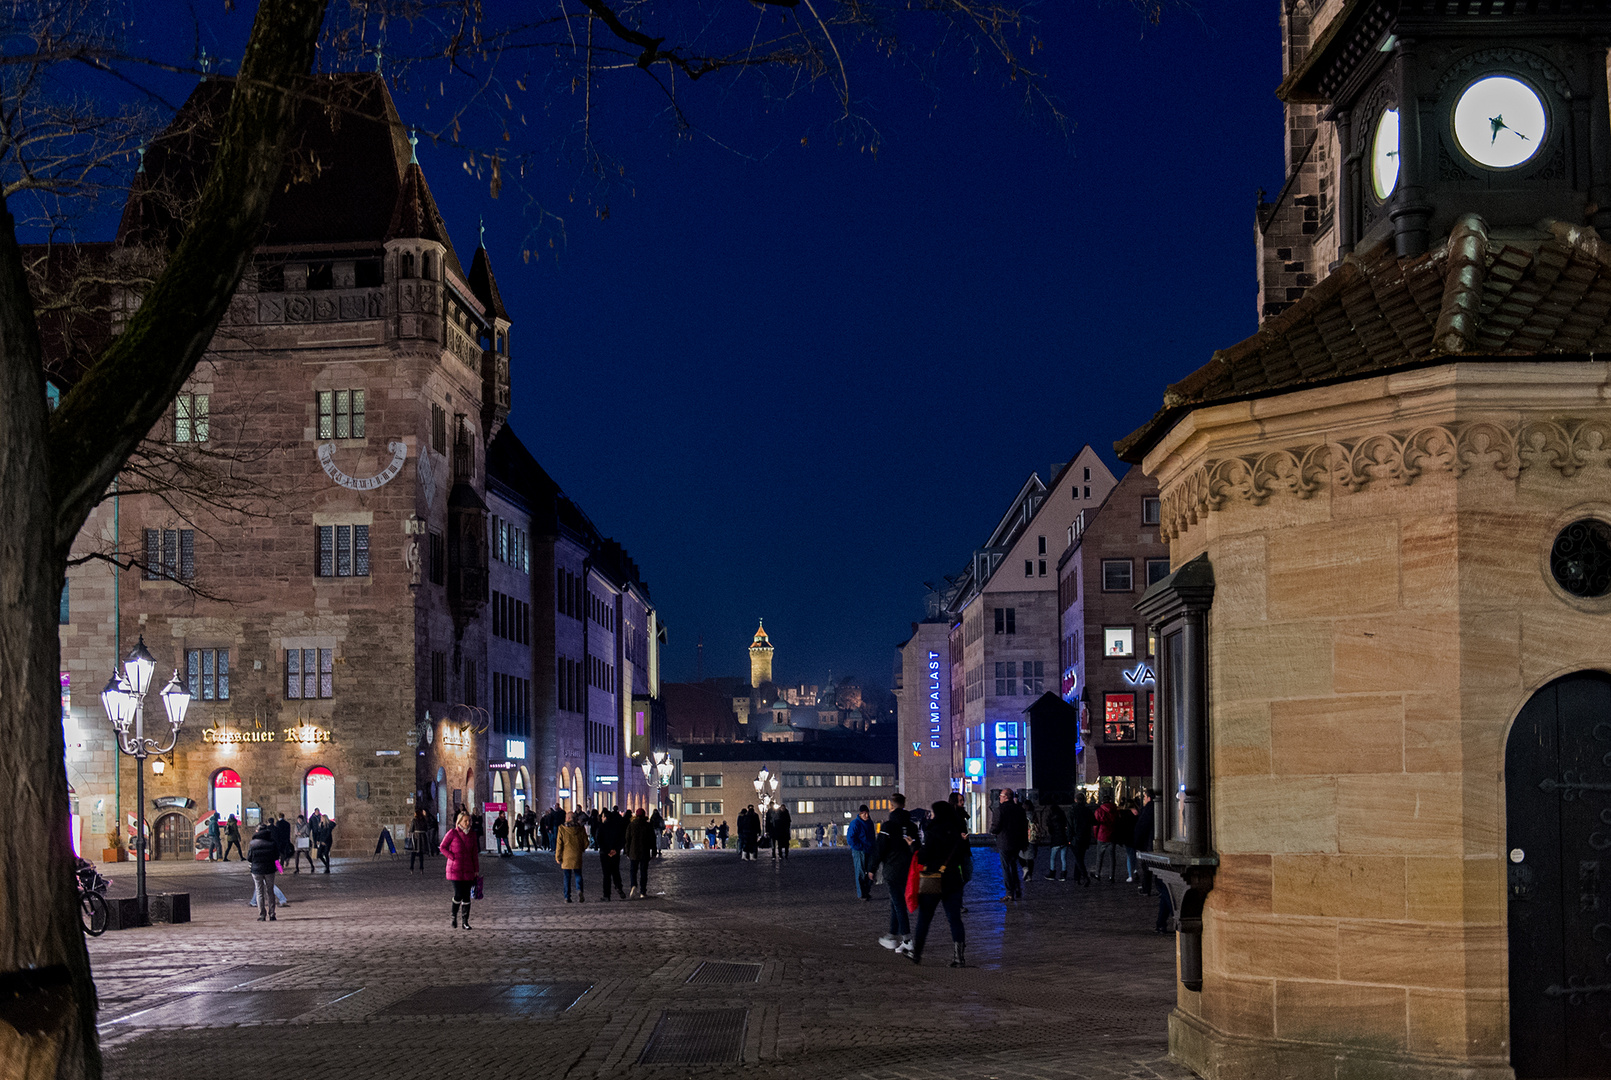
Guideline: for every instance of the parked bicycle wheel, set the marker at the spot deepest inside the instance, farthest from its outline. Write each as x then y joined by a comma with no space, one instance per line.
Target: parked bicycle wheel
94,914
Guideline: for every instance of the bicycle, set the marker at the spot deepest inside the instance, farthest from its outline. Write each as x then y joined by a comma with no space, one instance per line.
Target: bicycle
93,911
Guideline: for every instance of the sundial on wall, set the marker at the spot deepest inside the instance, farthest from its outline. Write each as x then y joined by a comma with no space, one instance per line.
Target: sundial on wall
327,460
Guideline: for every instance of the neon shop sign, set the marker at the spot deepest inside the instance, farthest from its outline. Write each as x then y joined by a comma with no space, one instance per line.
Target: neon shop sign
1142,673
934,700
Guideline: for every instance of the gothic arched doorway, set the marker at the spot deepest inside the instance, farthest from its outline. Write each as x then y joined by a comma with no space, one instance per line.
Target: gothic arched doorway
1558,851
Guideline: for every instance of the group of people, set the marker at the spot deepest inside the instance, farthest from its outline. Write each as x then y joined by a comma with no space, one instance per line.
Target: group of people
1022,829
926,865
273,843
775,826
617,834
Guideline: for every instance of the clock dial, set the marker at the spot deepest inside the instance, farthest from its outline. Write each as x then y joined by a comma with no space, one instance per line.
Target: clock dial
1500,122
1384,155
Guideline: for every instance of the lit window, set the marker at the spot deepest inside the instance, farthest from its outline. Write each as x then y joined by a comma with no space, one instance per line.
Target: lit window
190,418
208,671
1009,739
1118,641
1119,717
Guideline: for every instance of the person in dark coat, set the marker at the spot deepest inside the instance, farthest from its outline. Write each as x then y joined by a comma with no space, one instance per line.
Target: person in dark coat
658,824
232,834
894,858
1125,836
1141,840
749,831
263,853
639,845
780,832
1080,824
611,839
1057,837
324,834
1011,830
940,852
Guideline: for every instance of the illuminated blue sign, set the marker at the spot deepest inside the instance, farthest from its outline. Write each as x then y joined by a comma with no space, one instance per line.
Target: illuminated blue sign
934,700
974,767
1141,674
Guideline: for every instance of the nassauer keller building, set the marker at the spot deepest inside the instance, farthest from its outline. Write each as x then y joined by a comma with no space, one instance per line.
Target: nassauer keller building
1384,673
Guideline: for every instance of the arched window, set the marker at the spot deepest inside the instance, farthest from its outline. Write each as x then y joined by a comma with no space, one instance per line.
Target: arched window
425,265
319,791
407,267
227,794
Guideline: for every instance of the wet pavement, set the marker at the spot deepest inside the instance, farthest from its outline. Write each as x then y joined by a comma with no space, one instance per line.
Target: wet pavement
757,969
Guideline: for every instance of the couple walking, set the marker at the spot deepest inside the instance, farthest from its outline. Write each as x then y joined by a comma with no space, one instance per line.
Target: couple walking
617,836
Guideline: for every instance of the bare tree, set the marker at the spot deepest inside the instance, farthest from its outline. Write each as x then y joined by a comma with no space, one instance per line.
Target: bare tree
63,154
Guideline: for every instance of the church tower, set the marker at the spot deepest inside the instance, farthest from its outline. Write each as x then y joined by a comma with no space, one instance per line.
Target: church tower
760,658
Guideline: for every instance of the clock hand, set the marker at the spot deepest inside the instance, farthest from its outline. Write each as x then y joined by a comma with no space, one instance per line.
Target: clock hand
1496,124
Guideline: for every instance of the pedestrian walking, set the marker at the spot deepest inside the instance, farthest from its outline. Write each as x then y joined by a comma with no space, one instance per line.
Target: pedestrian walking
1011,830
959,819
570,844
893,859
1036,836
302,845
658,824
748,829
1127,839
215,842
863,844
780,832
1057,839
612,838
419,839
463,866
263,854
722,834
232,834
500,833
282,838
822,834
934,881
1107,836
323,830
640,846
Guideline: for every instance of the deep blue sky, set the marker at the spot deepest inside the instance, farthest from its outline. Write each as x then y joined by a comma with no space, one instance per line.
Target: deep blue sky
796,381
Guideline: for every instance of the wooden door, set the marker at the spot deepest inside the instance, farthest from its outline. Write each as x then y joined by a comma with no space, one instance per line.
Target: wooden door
174,837
1558,852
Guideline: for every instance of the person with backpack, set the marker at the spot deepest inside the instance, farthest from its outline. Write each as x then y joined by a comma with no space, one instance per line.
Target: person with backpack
463,854
934,880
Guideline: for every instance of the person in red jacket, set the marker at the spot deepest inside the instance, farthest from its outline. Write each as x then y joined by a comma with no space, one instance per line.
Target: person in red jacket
463,865
1107,836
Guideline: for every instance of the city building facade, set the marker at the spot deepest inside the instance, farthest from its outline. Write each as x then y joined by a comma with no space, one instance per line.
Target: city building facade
1107,664
821,784
1382,668
922,687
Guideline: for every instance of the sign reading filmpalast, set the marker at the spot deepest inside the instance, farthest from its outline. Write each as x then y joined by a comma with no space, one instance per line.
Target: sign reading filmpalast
304,734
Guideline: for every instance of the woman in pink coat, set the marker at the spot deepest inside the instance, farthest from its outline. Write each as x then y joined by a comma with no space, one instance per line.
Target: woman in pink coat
463,865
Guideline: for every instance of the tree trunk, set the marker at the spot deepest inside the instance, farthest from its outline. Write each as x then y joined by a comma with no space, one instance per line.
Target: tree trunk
53,468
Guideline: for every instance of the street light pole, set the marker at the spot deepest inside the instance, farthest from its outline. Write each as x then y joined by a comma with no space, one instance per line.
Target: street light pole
124,702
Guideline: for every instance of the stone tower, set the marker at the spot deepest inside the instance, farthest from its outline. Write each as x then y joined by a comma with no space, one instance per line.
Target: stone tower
760,657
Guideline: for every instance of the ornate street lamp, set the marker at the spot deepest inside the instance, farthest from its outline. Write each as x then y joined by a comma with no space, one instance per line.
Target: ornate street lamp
657,773
124,702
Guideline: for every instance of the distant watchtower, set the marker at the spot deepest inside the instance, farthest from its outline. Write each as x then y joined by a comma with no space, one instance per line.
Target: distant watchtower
760,657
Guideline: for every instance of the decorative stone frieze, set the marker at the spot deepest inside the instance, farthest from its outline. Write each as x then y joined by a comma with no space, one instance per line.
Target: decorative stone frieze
1568,445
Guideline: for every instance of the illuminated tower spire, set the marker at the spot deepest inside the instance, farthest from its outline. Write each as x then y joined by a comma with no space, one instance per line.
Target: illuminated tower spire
760,657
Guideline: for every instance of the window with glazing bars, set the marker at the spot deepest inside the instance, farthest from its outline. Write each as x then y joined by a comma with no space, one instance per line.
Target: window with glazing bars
341,414
170,554
208,671
190,418
310,673
343,550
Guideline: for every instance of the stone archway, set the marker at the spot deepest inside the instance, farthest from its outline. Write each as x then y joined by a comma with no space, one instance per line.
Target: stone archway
1558,852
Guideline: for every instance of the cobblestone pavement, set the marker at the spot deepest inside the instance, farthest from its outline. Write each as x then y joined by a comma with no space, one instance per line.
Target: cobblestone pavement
362,978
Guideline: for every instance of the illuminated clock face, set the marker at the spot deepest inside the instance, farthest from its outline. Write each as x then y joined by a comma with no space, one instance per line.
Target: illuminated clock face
1500,122
1384,155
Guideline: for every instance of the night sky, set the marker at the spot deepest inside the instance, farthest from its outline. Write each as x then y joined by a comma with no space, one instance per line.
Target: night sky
797,379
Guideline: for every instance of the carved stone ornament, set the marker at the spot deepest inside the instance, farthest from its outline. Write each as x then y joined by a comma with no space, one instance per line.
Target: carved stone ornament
1568,446
399,451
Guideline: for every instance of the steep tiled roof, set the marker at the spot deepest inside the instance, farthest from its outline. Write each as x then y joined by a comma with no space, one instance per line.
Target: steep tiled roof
1474,297
485,286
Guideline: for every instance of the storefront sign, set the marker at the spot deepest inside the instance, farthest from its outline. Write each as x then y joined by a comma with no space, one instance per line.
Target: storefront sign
494,807
564,793
307,735
934,700
515,748
454,736
607,779
1141,674
503,766
224,736
975,769
174,802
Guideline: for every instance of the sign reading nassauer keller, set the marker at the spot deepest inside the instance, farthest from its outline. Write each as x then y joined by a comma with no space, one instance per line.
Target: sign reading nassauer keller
305,734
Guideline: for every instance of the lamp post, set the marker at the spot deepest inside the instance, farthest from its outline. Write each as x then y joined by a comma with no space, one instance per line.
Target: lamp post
657,773
124,702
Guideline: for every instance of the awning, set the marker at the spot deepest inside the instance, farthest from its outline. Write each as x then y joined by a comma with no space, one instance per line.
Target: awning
1125,760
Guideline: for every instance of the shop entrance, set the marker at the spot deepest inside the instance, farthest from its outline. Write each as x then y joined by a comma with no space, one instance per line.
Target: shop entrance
174,838
227,795
319,792
1558,828
522,786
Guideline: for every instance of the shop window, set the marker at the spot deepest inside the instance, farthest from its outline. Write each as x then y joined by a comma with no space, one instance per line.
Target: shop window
310,673
1119,717
319,791
1009,739
227,794
208,674
1118,641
